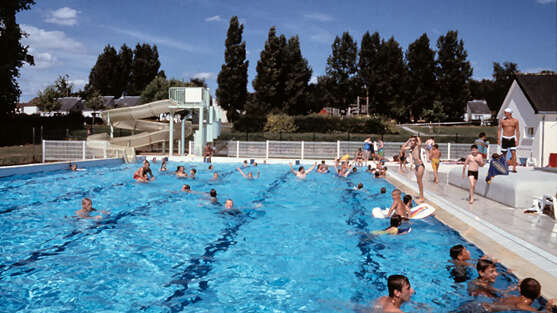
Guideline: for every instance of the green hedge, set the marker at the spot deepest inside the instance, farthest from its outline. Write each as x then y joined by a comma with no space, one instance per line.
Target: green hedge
319,124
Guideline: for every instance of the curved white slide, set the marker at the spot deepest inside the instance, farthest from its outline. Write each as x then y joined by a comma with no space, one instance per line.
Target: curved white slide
135,118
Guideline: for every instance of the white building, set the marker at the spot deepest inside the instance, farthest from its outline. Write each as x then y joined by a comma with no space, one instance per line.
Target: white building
28,108
477,110
533,99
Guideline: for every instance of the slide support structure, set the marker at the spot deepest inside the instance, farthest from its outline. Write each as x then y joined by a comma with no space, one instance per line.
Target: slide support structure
171,135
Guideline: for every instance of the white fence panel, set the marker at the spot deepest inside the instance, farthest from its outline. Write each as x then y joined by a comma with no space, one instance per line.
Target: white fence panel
285,149
320,150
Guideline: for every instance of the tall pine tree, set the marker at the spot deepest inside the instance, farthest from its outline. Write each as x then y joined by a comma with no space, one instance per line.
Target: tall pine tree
392,76
421,77
233,77
125,56
453,75
368,67
267,83
297,76
104,75
342,69
145,67
12,53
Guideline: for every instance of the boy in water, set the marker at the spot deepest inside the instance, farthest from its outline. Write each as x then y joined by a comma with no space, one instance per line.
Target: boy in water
87,208
460,257
474,160
302,173
250,174
215,176
192,173
393,228
483,285
180,172
400,291
407,200
435,157
141,174
530,290
398,206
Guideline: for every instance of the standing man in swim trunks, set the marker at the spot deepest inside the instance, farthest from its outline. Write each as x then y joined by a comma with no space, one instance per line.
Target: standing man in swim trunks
415,146
474,160
511,135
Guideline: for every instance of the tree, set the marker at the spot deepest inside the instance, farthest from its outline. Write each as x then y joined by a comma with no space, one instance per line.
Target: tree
63,86
421,77
125,60
157,89
297,74
453,75
46,101
368,67
267,83
233,76
145,67
96,103
503,76
12,53
342,69
392,77
434,112
105,75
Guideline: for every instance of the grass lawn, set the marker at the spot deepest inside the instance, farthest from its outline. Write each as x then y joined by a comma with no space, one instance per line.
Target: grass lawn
26,154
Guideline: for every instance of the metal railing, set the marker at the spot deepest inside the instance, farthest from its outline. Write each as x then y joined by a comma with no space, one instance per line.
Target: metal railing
323,150
73,150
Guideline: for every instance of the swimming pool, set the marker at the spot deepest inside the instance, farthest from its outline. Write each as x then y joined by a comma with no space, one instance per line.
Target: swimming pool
300,246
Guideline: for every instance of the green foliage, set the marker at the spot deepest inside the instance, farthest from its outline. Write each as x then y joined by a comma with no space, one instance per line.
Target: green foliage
13,54
369,68
233,77
157,89
453,75
393,75
247,123
296,73
503,76
125,60
267,84
435,113
280,123
421,85
46,101
105,73
144,68
95,101
63,86
341,69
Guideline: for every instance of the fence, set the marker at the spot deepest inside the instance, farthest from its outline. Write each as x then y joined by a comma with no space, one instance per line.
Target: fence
63,150
66,150
321,149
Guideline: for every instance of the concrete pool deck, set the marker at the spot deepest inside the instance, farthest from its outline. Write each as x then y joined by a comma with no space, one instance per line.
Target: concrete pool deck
527,244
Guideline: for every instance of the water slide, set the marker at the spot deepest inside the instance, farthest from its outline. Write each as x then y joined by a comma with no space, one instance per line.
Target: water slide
135,119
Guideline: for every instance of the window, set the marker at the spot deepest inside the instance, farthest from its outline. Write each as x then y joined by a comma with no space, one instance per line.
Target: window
530,131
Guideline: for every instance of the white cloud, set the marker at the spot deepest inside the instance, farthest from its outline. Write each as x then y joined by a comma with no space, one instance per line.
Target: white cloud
545,1
321,17
322,36
313,80
44,60
43,39
63,16
205,75
78,83
163,41
215,18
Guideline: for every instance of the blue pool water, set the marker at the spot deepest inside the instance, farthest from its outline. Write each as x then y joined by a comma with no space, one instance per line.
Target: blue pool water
300,246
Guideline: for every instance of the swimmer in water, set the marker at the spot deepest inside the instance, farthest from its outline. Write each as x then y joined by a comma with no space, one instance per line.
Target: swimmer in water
192,173
73,167
87,209
398,206
407,200
302,173
383,190
229,208
180,172
393,228
213,196
210,167
245,164
186,188
250,174
163,166
460,257
215,176
530,290
359,187
483,285
141,174
400,291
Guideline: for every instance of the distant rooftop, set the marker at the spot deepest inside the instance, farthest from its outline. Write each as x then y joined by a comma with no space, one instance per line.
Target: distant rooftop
478,107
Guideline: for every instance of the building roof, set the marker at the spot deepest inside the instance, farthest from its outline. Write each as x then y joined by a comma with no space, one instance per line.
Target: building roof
68,103
540,90
478,107
128,101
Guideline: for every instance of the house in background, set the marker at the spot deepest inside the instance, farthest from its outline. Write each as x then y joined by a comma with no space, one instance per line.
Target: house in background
533,99
477,110
127,101
28,108
67,105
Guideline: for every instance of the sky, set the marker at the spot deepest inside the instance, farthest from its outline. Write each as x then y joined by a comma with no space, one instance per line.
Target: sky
66,36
